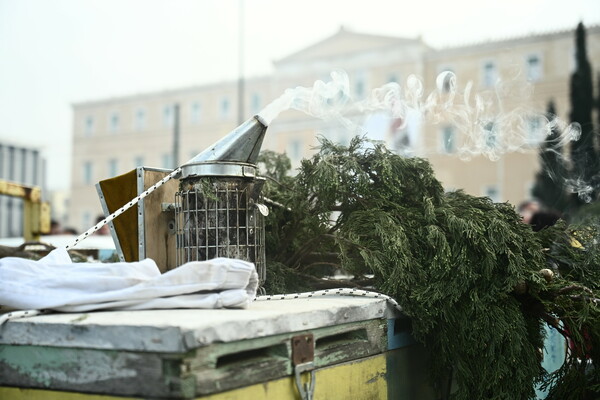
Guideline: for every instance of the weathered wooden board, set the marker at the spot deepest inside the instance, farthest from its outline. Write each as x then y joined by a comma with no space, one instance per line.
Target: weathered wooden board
159,226
144,231
90,371
229,365
364,378
394,374
178,331
114,194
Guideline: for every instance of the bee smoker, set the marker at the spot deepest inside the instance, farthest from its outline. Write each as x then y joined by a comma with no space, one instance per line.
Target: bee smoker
217,206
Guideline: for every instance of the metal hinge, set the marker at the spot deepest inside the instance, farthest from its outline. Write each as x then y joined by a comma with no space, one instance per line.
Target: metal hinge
303,357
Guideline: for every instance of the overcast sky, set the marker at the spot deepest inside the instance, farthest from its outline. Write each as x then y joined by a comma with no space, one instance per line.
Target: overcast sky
55,53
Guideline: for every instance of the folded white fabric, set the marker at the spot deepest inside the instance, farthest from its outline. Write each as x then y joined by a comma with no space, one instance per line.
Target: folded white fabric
56,283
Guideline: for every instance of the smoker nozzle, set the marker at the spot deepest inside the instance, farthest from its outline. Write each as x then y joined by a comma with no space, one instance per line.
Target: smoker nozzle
240,147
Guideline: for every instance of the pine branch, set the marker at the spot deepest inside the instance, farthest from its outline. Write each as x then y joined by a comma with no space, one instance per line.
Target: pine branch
594,300
318,264
307,250
574,287
312,259
278,183
473,278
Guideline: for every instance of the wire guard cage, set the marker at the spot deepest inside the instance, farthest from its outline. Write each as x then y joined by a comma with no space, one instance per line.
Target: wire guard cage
220,218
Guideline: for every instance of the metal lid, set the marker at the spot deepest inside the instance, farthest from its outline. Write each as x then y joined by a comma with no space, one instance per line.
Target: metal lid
212,168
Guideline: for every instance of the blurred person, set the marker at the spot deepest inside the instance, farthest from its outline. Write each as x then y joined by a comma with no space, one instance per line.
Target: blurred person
104,230
70,231
527,209
543,219
55,228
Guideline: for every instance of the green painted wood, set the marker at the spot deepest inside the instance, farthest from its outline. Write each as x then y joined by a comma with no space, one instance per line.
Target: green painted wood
349,342
93,371
228,366
203,370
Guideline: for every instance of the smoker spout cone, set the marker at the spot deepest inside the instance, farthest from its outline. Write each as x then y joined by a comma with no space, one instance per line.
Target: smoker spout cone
242,145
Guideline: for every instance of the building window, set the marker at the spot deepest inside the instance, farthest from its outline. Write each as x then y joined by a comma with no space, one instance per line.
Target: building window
36,163
167,160
295,150
490,74
490,135
360,85
448,139
88,126
114,122
533,131
255,103
224,108
138,161
11,163
88,173
360,89
168,116
113,166
534,68
24,177
140,119
493,192
195,113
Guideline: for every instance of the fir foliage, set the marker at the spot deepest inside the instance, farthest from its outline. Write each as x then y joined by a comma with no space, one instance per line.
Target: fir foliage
572,306
465,270
549,188
581,175
586,158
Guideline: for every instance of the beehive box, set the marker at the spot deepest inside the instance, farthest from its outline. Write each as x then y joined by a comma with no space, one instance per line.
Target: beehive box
361,350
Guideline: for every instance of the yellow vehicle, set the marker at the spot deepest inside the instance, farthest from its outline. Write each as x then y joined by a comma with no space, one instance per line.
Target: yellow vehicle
36,213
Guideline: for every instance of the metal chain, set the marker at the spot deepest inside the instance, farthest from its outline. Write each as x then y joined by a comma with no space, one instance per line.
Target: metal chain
332,292
126,207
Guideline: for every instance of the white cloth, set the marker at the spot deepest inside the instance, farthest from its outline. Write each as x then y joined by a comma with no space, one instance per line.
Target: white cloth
56,283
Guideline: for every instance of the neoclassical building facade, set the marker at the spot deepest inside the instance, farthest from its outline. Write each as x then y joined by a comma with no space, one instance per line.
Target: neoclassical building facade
475,111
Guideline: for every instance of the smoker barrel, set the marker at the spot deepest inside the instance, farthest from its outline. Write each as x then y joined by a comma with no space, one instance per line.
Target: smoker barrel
219,218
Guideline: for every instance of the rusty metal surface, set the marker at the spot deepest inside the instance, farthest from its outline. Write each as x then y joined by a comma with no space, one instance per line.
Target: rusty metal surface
14,189
36,214
303,349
